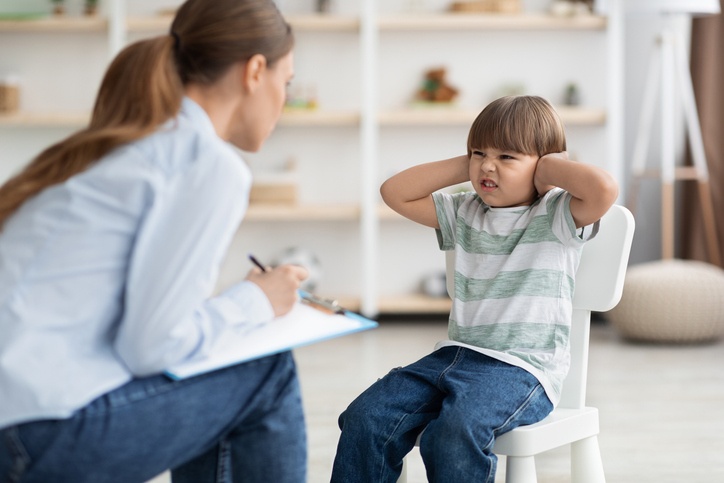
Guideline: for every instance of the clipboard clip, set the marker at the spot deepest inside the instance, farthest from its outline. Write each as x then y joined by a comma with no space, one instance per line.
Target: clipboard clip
327,305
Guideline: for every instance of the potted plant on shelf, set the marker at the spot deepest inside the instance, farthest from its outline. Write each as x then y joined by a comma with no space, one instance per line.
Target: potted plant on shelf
91,7
58,7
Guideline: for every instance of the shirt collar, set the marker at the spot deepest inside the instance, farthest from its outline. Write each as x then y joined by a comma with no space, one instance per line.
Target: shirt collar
197,115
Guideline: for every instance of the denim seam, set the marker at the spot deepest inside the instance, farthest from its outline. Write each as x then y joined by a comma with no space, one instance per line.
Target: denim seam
458,355
222,462
523,406
21,458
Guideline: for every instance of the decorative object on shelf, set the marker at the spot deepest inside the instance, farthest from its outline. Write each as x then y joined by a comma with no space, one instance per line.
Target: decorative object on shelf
323,6
487,6
671,301
91,7
276,187
302,97
569,8
58,7
9,94
435,88
434,284
572,95
306,258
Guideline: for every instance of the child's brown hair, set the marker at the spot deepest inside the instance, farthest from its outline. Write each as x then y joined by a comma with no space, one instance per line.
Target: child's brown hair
523,124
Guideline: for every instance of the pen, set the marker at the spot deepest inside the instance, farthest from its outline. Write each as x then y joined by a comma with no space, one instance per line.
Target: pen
257,262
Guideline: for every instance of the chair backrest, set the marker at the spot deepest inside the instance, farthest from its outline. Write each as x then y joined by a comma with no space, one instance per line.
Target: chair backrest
599,285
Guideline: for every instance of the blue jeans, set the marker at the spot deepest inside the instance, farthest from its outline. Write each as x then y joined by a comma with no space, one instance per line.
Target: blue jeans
243,423
461,398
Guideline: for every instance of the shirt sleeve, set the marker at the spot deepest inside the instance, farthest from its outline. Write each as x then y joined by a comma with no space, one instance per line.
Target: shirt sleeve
446,208
558,206
169,314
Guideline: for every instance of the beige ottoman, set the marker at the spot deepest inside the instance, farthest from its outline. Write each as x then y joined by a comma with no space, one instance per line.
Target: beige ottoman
679,301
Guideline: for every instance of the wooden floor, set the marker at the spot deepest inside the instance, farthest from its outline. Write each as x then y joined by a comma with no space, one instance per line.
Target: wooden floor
661,407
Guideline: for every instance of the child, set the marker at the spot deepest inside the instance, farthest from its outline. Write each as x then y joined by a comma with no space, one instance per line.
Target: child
517,241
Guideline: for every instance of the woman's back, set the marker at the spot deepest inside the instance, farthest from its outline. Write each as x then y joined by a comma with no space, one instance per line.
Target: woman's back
66,257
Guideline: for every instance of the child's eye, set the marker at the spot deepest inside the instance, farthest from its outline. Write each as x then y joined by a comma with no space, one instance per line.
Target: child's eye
478,153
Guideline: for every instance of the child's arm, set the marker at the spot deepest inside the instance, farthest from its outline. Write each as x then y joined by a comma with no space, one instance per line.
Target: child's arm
410,192
593,189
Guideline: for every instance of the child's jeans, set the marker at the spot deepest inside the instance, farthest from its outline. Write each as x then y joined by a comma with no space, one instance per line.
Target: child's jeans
244,423
463,400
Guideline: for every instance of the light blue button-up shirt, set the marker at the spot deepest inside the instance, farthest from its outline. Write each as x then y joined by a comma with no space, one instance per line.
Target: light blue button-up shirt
110,274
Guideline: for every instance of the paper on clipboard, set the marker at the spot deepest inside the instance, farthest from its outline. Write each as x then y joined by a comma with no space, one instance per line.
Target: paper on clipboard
303,325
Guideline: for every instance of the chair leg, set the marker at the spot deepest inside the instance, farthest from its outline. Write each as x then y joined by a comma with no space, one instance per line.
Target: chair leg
586,464
403,475
520,470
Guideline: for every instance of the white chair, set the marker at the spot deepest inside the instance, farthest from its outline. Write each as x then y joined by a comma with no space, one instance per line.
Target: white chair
599,285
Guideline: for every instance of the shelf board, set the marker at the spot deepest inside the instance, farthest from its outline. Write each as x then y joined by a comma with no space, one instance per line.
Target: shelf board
582,116
473,21
433,21
414,304
157,23
55,24
302,212
320,23
434,116
315,118
454,116
319,117
315,23
45,119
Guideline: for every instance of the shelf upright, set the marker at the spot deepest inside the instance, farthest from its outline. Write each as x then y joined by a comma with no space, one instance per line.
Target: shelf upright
616,92
116,27
369,140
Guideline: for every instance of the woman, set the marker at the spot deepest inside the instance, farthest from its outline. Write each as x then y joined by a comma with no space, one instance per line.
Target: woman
110,246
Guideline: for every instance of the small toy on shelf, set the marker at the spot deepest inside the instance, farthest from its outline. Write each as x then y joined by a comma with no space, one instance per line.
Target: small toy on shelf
487,6
9,94
302,98
569,8
435,88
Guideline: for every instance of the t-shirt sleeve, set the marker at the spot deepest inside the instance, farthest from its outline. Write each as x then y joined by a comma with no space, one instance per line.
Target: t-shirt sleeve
446,207
558,206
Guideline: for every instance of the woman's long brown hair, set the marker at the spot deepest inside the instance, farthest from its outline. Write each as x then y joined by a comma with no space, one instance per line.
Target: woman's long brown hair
144,85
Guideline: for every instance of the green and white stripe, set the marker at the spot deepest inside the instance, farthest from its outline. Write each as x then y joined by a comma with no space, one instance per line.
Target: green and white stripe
514,280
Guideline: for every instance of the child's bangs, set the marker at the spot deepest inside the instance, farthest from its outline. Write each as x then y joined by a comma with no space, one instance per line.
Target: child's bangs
523,124
505,134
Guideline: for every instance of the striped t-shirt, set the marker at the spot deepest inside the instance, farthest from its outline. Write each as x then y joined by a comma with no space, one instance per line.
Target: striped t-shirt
514,280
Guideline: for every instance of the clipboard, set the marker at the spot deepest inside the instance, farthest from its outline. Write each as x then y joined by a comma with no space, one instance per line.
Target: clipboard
311,320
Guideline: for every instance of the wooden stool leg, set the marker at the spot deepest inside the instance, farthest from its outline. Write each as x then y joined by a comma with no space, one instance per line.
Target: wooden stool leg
667,221
707,212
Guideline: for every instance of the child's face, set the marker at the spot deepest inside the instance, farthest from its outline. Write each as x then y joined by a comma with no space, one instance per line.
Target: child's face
503,178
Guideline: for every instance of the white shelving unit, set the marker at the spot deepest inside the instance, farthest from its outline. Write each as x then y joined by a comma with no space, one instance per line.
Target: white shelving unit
366,60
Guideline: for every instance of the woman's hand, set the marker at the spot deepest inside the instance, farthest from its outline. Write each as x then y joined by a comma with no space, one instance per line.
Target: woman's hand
280,285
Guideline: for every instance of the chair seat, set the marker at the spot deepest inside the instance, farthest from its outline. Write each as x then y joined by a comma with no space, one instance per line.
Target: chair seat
562,426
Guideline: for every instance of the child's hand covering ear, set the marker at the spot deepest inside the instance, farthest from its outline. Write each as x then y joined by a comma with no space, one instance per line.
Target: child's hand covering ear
539,186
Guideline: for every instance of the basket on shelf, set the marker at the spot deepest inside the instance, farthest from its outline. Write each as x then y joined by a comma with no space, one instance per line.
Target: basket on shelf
487,6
